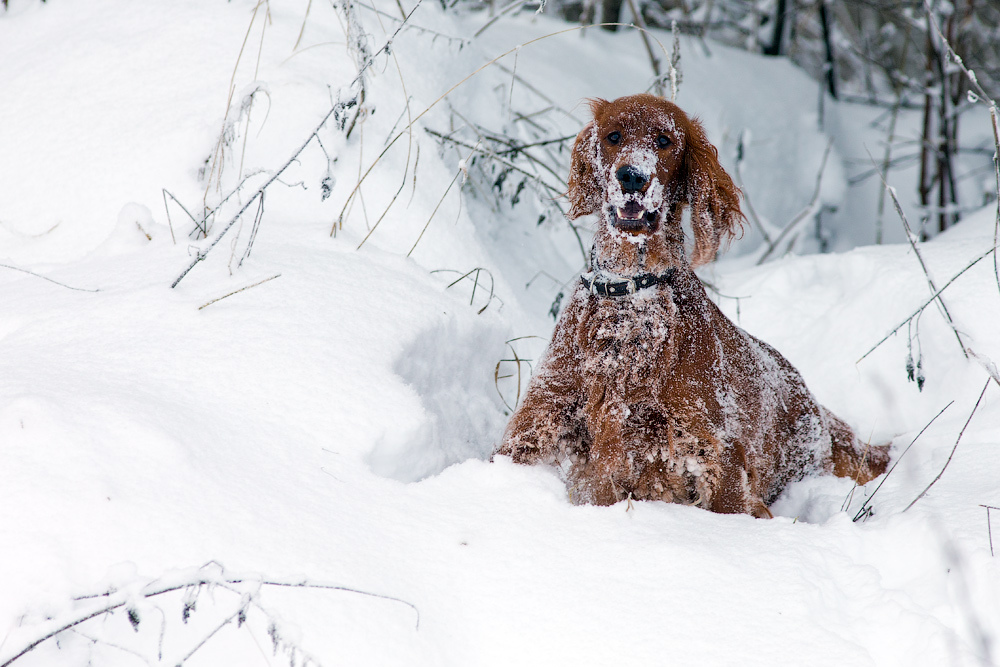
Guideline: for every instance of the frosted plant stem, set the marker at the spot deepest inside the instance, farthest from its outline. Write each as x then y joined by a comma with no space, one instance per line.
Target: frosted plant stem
996,170
427,224
920,258
56,282
201,254
507,163
989,526
211,634
928,302
357,186
219,150
339,106
332,587
804,214
259,282
653,61
865,506
113,600
923,265
960,434
981,95
506,10
58,627
524,82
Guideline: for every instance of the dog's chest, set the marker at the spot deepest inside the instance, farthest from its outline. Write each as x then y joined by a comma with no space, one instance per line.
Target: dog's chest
624,339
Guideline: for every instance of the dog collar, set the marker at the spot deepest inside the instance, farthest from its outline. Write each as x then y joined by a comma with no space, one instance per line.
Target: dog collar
609,286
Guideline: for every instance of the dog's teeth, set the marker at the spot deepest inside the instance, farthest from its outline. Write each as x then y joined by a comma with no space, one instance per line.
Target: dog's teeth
626,215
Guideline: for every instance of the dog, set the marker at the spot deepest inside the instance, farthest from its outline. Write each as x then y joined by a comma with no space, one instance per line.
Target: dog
647,391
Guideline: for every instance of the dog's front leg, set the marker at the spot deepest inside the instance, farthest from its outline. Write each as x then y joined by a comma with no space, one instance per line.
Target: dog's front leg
545,422
548,421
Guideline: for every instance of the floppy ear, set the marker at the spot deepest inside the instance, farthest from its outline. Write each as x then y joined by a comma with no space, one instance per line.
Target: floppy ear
584,181
714,198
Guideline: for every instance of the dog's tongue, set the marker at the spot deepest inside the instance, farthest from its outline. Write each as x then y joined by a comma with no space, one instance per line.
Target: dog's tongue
632,210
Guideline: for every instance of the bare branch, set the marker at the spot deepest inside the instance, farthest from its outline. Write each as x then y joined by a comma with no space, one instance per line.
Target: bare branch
259,282
916,250
865,510
809,210
960,433
928,302
56,282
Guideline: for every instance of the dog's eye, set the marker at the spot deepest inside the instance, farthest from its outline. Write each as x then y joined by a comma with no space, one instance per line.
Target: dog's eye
614,138
662,141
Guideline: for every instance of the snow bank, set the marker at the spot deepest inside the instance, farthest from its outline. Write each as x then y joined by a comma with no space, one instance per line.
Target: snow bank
330,423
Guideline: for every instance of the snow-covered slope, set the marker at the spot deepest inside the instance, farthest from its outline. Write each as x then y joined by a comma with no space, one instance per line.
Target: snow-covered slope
332,425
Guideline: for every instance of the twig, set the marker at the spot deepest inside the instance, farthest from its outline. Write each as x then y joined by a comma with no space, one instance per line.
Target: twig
864,459
462,42
166,208
503,12
516,360
527,84
996,170
38,275
989,525
495,156
241,609
260,282
253,229
204,576
805,213
653,60
334,110
219,150
865,510
409,116
334,587
927,303
960,433
433,104
475,285
459,172
980,95
674,71
302,30
916,250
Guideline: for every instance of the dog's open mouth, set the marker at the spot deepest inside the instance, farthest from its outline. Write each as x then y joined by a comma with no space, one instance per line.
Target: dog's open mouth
634,218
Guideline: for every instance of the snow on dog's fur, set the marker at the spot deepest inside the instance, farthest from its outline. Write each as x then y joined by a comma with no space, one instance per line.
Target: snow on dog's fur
653,393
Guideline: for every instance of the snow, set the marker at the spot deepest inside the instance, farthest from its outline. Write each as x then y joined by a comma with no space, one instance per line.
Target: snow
333,424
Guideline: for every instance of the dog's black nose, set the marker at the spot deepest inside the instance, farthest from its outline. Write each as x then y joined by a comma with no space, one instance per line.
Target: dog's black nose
632,179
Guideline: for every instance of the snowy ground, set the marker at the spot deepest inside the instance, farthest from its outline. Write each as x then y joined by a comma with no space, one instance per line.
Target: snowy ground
332,426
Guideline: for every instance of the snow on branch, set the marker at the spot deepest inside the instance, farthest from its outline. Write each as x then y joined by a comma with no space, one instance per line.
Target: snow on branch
336,111
134,597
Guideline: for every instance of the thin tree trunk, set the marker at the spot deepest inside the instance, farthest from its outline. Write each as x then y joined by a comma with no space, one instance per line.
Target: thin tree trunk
927,143
611,11
776,47
826,24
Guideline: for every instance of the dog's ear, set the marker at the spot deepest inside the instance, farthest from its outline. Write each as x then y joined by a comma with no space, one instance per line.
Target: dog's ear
584,183
714,198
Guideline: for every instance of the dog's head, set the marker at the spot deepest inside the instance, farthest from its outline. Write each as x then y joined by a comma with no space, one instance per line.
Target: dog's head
640,160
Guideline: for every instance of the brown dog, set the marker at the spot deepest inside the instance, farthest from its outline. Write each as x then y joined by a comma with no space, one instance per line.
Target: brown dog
647,390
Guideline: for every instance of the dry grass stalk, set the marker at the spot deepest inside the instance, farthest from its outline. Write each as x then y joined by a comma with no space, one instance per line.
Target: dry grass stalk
225,296
338,223
958,440
866,510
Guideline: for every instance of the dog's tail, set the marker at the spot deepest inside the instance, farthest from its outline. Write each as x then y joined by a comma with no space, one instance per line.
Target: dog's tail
851,457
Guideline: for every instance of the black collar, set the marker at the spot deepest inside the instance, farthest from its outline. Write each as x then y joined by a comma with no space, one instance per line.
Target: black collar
612,286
